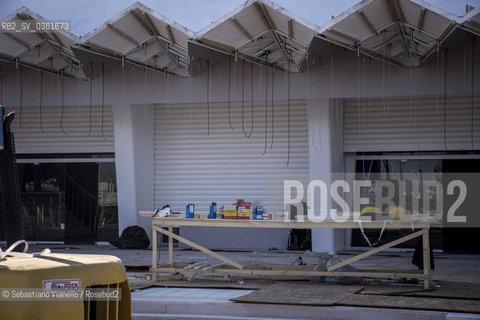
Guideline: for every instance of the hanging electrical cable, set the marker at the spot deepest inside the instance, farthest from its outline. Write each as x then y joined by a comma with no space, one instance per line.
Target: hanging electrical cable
472,88
438,79
288,108
103,99
444,53
316,66
229,92
90,105
208,97
1,85
266,105
20,105
358,91
145,81
41,100
243,102
123,91
308,97
190,97
165,77
273,106
62,103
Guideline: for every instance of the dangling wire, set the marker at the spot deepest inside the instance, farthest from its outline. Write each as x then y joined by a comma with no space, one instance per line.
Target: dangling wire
123,90
103,98
410,98
229,92
358,91
437,81
63,103
273,107
90,107
445,99
288,110
190,97
208,97
472,87
243,102
1,85
21,97
266,106
308,96
41,101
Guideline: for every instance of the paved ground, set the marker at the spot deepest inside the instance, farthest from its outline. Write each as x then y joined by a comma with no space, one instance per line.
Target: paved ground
213,303
448,266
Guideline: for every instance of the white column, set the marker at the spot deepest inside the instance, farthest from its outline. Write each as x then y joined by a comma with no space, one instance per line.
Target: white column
133,130
124,165
325,135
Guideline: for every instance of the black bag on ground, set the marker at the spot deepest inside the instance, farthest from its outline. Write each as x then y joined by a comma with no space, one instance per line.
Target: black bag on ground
133,237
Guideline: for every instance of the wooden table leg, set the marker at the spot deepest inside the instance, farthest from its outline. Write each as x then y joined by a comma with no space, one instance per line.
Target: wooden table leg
170,247
154,252
426,258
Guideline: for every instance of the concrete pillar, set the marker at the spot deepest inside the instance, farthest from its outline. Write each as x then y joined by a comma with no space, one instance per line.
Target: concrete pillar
133,130
325,135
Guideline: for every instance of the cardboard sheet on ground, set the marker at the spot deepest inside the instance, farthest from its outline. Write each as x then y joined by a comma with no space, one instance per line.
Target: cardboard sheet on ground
292,292
444,289
417,303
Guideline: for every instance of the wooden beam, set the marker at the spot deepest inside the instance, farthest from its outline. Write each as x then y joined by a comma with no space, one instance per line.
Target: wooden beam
421,19
150,22
101,49
241,28
170,33
366,21
122,34
343,35
217,45
154,253
391,11
142,23
263,13
17,40
199,247
446,31
290,28
378,249
474,24
398,10
170,247
178,220
398,274
426,259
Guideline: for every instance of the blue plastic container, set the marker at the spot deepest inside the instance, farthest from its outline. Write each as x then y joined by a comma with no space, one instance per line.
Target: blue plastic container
213,211
190,211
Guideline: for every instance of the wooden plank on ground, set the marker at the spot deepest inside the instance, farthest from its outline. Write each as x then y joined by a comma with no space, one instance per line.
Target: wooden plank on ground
298,293
416,303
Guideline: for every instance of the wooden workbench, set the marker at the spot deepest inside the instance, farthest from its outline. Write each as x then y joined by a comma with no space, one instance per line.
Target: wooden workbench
231,267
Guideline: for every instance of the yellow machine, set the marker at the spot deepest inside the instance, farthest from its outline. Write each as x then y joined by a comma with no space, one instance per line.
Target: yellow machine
46,270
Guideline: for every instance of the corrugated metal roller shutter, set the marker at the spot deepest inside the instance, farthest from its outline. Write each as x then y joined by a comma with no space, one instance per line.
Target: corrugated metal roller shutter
30,138
192,166
411,124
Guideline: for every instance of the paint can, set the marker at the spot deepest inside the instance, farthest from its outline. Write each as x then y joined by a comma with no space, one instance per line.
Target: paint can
213,211
190,211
